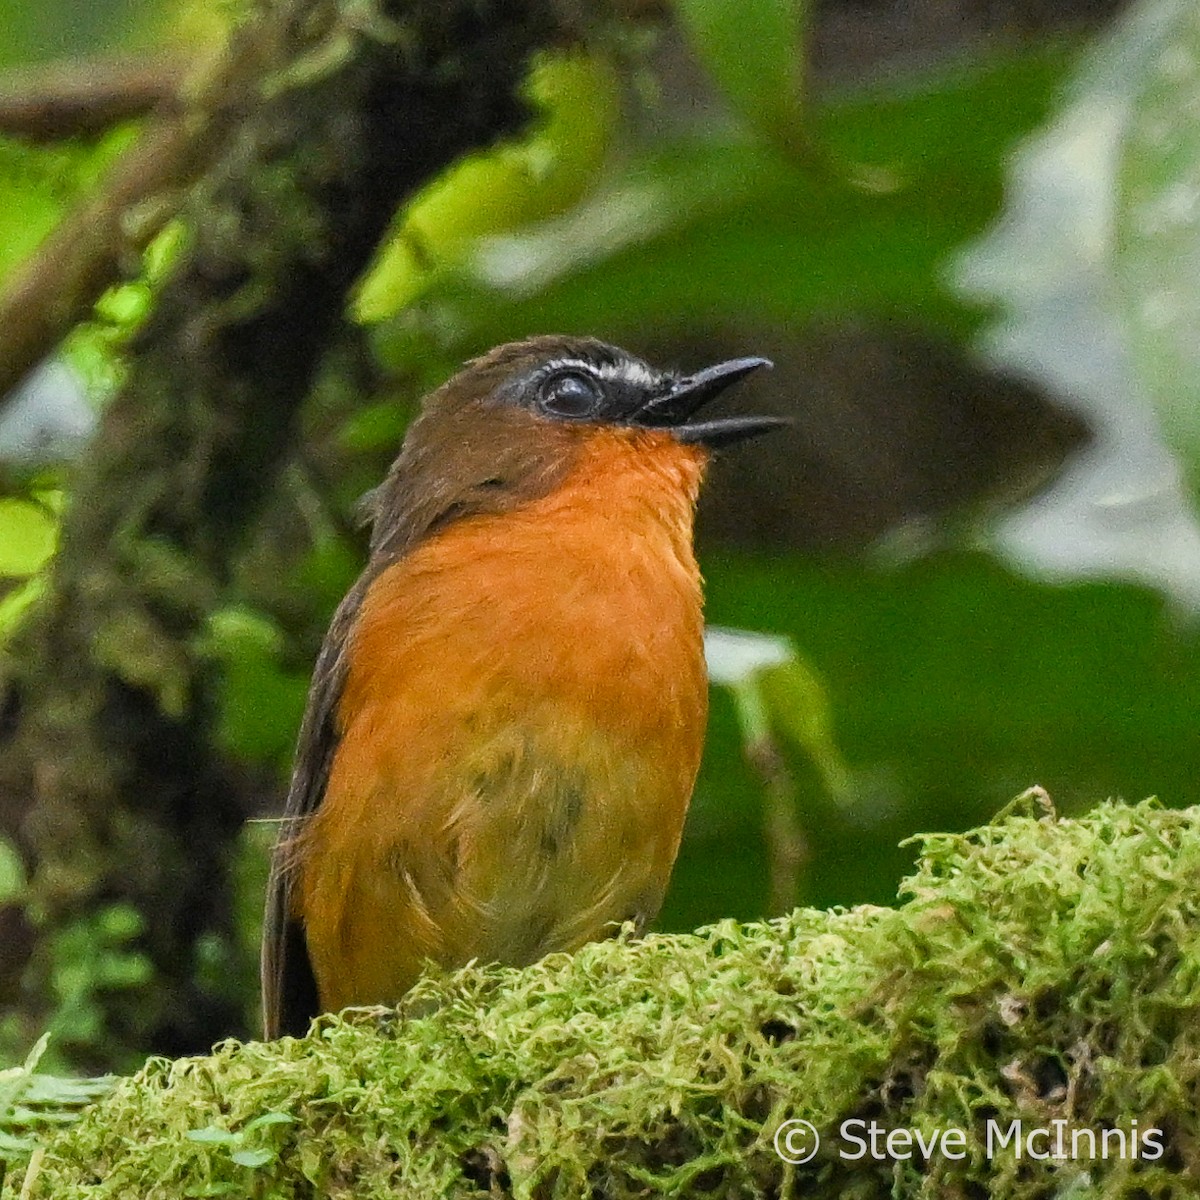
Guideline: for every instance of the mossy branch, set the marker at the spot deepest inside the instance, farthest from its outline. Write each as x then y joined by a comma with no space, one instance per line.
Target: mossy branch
1038,970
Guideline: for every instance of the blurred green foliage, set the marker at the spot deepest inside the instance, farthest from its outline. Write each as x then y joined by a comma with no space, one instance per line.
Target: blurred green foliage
259,703
514,184
766,88
720,230
953,682
42,182
926,694
94,958
30,532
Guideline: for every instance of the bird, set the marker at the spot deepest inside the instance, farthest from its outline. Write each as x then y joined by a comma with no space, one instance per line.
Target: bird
505,720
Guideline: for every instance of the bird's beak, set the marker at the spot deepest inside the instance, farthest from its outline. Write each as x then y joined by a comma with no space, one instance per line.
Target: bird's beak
685,398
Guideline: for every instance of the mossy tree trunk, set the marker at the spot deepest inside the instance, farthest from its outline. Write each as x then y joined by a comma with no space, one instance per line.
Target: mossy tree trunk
329,114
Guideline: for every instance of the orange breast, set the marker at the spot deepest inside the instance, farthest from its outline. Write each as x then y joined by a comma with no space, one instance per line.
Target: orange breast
521,727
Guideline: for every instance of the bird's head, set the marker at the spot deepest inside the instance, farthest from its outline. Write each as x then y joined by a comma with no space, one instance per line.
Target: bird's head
510,425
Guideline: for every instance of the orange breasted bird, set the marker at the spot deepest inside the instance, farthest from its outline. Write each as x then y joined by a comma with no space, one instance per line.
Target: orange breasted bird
506,717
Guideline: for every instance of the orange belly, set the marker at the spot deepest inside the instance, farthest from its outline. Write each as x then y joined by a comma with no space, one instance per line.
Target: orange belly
520,732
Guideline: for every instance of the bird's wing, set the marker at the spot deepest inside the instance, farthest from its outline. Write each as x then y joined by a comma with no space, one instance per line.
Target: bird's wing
289,988
406,509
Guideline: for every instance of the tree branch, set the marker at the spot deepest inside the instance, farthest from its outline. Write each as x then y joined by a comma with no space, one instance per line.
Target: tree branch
75,99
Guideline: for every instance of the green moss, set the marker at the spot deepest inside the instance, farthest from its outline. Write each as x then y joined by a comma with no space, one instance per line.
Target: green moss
1038,969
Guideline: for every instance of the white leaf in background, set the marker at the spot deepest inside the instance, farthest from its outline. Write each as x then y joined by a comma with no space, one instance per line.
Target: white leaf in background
1053,262
735,655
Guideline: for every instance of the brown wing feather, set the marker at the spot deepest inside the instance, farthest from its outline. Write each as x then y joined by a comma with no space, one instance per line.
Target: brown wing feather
407,511
289,990
443,474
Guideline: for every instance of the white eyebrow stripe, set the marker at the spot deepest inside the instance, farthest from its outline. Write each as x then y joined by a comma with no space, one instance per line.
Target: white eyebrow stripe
560,364
630,372
627,371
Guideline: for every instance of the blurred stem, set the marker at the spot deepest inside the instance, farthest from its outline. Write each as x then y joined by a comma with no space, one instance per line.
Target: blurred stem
756,51
77,98
787,847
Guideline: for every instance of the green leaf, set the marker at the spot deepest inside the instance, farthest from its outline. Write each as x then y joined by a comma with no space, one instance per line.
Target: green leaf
254,1158
12,872
375,426
14,1086
28,535
17,603
238,630
516,182
119,923
715,232
776,689
268,1119
755,52
39,183
796,700
15,1080
211,1135
259,703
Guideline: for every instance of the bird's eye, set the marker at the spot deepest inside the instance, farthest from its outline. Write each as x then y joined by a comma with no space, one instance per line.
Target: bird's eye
570,394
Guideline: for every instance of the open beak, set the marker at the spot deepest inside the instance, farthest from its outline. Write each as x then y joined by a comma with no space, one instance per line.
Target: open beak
686,397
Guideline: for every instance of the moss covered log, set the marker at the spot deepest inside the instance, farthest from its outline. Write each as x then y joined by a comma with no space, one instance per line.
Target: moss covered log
1038,970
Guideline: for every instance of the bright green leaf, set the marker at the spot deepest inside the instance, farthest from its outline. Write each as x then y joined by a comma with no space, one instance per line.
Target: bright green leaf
375,427
797,704
507,187
776,690
711,232
269,1118
238,630
39,183
259,703
28,534
119,922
